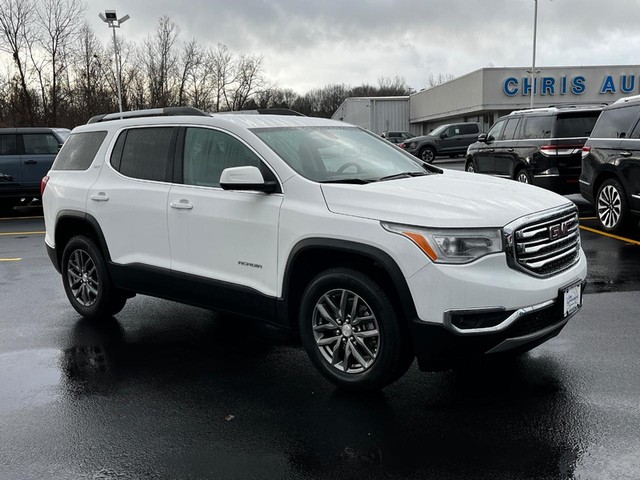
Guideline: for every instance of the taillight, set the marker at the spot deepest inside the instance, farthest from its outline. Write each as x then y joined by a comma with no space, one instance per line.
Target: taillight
585,151
554,150
43,184
402,145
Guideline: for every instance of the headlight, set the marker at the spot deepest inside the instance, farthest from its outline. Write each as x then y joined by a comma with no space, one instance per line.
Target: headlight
451,245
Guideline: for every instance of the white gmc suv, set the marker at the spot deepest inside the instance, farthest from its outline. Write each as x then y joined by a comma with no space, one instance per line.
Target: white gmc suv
371,256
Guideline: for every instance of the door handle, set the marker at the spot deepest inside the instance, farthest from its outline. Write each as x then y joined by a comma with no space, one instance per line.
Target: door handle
625,153
491,150
100,197
181,205
30,162
511,150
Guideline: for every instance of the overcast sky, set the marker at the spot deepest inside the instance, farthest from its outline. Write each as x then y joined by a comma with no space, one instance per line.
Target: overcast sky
309,44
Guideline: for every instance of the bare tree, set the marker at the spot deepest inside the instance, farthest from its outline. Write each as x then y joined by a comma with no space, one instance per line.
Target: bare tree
223,72
248,80
190,59
17,19
59,22
435,80
160,60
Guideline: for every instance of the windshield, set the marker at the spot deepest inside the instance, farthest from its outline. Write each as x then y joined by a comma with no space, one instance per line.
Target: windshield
438,130
339,154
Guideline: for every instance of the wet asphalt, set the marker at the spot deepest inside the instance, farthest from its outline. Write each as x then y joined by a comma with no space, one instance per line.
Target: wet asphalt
166,391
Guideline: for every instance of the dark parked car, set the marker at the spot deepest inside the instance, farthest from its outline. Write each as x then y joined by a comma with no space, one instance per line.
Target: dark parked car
611,166
541,146
452,139
397,137
26,155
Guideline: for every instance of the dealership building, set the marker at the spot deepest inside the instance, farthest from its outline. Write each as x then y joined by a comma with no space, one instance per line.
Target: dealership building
486,94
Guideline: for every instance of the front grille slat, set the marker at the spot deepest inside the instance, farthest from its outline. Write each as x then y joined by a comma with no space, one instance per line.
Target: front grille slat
547,245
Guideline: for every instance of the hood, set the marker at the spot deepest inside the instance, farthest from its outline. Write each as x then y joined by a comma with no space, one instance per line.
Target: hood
450,199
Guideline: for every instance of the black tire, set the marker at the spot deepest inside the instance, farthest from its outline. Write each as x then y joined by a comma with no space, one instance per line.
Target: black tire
86,280
523,176
362,356
427,154
612,207
470,166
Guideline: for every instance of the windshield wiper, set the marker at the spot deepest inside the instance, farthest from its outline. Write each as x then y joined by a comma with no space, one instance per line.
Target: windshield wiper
355,180
403,175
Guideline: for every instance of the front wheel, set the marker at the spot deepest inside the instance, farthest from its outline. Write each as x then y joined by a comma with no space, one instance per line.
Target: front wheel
427,154
611,207
351,331
470,167
86,280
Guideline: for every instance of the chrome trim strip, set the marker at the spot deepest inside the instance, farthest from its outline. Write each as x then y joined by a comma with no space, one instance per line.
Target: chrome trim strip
497,328
547,175
584,182
636,196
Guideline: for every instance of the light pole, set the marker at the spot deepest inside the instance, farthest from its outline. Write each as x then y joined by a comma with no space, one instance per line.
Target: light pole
111,19
533,63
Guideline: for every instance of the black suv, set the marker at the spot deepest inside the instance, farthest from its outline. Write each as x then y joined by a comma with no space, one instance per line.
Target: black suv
541,146
611,166
451,139
26,155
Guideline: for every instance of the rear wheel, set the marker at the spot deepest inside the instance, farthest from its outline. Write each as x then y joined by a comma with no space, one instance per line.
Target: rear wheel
523,176
86,280
611,207
351,331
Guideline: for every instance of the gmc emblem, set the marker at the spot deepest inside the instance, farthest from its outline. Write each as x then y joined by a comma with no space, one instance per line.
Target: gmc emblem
559,231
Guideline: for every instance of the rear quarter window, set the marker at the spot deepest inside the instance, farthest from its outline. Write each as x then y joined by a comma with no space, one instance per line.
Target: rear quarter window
575,125
79,151
615,123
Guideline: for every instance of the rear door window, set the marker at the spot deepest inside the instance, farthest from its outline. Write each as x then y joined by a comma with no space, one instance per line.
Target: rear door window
40,144
469,129
615,123
537,127
147,153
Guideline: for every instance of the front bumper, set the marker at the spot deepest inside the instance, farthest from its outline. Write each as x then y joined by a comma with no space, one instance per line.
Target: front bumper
439,347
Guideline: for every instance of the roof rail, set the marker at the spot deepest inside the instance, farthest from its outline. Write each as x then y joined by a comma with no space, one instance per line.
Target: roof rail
627,99
560,106
265,111
150,112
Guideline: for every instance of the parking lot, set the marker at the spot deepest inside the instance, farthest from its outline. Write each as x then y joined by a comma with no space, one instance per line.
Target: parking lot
170,391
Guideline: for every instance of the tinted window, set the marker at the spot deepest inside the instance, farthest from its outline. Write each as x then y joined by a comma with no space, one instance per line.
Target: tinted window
496,130
510,129
208,152
40,144
79,151
537,127
576,125
453,131
8,145
146,153
469,129
615,123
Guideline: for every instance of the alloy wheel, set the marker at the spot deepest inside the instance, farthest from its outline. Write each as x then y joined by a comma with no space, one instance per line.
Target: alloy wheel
609,206
82,276
346,331
522,177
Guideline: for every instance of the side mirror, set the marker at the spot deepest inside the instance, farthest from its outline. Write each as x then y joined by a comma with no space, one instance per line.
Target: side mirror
246,179
443,135
482,138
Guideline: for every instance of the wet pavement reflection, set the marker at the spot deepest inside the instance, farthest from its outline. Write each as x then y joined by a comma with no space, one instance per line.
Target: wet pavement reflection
170,391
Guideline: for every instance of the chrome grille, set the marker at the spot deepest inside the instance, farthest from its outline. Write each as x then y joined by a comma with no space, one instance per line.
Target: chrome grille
546,244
